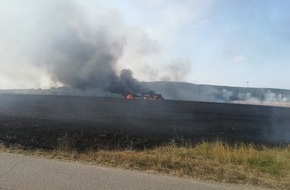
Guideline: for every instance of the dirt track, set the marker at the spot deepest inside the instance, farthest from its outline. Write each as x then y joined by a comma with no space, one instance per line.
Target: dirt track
40,121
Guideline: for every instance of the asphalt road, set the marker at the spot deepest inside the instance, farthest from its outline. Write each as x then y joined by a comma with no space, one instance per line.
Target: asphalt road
29,173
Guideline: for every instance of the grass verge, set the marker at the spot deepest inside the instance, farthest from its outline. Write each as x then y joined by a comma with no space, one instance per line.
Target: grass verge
262,166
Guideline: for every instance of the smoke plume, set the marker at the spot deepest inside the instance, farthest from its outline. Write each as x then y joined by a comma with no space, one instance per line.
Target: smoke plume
82,57
65,43
62,44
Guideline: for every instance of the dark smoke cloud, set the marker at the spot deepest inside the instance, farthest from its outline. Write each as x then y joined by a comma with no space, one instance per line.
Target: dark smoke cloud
65,43
85,64
127,79
85,57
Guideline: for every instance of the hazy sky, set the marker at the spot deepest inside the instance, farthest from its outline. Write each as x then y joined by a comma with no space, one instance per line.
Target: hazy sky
220,42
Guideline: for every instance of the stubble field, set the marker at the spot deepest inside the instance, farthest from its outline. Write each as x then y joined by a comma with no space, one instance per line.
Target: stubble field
82,123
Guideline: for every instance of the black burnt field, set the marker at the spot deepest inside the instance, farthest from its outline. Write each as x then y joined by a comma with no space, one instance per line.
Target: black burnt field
38,121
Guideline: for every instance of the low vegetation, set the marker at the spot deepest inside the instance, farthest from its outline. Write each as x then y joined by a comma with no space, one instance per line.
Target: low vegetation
240,163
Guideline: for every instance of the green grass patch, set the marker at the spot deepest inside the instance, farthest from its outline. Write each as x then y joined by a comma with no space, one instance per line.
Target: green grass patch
266,163
274,161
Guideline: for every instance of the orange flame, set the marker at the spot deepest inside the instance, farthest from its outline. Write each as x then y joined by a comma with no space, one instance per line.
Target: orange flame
129,97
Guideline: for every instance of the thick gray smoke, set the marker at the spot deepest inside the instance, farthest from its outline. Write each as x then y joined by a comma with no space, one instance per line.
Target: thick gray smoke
67,43
83,57
80,63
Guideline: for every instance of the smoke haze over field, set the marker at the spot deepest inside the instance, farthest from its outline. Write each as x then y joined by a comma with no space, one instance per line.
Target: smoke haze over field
85,44
211,93
63,44
73,53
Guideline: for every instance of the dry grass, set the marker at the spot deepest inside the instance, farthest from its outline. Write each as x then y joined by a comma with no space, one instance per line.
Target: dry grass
266,167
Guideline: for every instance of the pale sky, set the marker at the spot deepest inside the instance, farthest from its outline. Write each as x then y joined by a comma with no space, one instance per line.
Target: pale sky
218,42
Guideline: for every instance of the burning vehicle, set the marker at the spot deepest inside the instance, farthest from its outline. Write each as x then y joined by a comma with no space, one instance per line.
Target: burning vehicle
145,95
151,95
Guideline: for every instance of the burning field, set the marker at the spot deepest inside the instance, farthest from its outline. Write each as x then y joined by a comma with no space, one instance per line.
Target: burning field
38,121
74,55
88,77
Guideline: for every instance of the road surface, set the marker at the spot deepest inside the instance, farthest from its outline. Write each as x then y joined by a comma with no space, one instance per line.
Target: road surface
29,173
